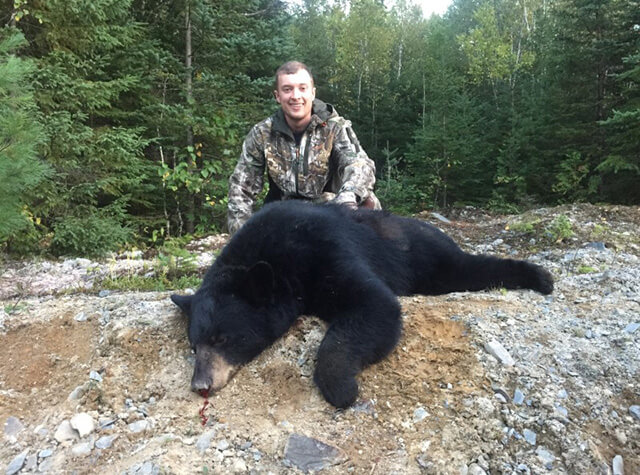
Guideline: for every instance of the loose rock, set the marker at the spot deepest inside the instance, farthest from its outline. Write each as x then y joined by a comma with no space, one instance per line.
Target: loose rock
17,463
106,441
12,426
310,454
204,441
529,436
83,423
618,465
83,449
65,432
495,349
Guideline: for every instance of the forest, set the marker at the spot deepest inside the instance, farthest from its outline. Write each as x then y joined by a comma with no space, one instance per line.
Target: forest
121,120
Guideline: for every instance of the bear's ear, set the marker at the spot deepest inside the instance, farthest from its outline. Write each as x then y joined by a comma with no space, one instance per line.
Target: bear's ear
184,302
258,288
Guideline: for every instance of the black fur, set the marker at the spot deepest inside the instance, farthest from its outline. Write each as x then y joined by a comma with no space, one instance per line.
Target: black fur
346,267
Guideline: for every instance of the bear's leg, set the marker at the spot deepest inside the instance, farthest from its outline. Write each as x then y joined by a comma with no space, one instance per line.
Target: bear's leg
359,335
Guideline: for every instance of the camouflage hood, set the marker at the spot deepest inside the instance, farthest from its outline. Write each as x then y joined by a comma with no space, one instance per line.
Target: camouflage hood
328,159
321,112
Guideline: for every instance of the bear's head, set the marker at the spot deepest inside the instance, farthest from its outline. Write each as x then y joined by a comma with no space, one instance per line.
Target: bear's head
229,322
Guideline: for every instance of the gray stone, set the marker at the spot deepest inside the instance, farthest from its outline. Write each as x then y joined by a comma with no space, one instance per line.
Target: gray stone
518,397
80,317
475,469
83,423
439,217
310,454
618,465
31,463
546,457
65,432
495,349
598,246
76,393
17,463
106,441
82,449
145,468
106,423
635,411
529,436
222,445
139,426
562,410
420,414
47,465
41,431
632,327
12,426
562,394
204,441
95,376
239,466
364,407
43,454
523,468
104,293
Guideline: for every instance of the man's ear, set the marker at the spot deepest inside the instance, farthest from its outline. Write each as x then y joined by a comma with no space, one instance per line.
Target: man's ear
184,302
259,284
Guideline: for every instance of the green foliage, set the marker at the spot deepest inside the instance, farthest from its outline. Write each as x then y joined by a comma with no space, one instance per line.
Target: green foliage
150,284
174,268
560,228
20,136
525,227
174,261
573,172
92,235
586,270
108,135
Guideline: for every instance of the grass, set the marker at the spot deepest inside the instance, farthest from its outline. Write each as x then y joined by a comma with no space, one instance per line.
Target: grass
151,284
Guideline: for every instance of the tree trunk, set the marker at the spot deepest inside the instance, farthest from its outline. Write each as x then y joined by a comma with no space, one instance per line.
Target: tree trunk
189,95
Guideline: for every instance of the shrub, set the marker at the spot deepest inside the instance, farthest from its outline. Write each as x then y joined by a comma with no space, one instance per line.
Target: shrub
89,236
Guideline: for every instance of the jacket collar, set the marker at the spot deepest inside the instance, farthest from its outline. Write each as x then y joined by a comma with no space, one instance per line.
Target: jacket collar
320,113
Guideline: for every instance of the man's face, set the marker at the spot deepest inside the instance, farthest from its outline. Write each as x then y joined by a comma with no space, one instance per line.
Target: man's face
295,93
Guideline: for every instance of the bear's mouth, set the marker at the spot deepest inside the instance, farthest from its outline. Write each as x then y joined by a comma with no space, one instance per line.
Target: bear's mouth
212,371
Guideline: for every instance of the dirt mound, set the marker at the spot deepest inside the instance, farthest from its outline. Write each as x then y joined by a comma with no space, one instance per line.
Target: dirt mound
440,403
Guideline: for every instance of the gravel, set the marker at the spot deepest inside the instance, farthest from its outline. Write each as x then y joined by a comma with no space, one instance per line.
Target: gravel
551,383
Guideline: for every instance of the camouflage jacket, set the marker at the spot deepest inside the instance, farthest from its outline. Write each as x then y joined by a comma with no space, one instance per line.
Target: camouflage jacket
329,159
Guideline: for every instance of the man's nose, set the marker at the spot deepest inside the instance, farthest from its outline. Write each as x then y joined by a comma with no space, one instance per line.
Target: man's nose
297,93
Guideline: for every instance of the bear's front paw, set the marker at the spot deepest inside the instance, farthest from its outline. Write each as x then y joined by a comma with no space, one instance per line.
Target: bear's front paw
543,281
339,391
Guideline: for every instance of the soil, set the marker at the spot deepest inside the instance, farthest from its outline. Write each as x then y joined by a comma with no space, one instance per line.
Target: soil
137,344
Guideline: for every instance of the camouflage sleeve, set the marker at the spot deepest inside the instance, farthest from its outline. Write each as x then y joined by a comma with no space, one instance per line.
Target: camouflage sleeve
246,181
356,169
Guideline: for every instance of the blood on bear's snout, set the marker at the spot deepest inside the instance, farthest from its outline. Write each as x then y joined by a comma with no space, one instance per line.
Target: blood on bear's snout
212,372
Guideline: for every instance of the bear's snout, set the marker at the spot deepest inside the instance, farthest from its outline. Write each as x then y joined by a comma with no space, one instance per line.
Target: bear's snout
212,371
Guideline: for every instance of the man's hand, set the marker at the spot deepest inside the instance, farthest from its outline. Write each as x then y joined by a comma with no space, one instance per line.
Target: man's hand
348,199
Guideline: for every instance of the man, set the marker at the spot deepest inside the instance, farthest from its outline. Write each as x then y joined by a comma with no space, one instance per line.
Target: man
309,151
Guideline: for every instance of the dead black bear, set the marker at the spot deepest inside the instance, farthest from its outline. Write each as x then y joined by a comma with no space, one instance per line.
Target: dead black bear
346,267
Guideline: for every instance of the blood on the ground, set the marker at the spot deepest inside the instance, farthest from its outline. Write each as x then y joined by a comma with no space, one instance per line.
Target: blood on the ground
205,394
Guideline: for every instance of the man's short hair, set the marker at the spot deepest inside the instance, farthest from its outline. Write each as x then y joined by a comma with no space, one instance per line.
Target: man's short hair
292,67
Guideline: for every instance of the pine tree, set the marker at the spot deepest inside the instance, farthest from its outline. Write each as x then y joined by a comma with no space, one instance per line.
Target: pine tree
20,136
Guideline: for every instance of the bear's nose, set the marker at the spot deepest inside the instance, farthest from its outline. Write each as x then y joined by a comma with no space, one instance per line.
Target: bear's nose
199,383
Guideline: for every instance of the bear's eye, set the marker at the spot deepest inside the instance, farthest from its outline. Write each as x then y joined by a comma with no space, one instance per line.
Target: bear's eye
217,340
